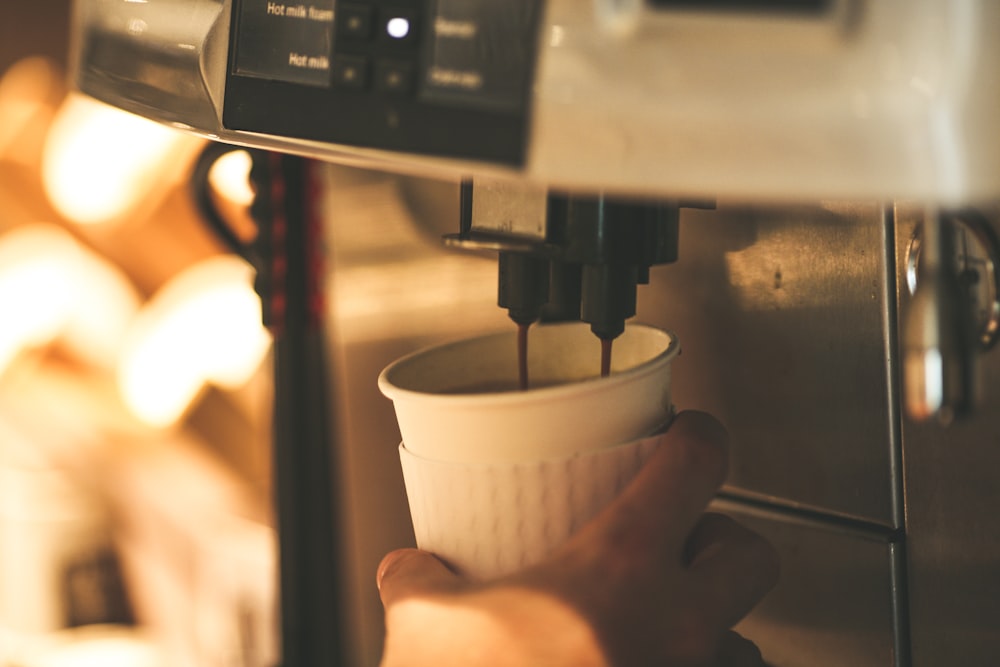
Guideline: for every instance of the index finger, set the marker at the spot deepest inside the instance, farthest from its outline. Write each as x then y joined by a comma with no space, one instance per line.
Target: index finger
667,498
734,565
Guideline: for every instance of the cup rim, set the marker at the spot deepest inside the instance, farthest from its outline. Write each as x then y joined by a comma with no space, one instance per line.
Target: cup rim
500,398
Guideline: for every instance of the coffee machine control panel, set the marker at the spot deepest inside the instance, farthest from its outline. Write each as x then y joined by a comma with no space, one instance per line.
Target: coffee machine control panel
749,99
443,77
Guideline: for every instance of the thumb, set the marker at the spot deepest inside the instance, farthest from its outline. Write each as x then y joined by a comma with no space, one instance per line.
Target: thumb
667,498
412,572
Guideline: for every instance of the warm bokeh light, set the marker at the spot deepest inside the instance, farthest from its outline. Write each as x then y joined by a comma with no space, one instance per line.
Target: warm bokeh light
230,177
35,282
203,327
105,302
52,287
101,646
100,163
29,93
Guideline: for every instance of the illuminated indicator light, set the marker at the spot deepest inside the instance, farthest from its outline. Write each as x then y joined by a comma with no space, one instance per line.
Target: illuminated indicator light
398,28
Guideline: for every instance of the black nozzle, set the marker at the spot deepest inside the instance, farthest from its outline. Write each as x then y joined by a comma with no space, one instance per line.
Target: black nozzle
594,252
608,298
661,231
523,286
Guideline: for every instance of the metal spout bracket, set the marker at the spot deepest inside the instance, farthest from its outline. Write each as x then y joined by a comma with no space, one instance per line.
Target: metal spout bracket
503,216
567,256
977,263
954,313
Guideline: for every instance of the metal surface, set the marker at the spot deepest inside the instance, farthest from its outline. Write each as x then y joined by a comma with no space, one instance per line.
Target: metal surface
977,256
953,543
164,60
306,484
780,313
833,605
392,288
510,208
788,323
938,334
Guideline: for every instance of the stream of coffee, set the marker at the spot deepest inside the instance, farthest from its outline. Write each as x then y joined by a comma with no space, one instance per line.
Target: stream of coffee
606,357
522,355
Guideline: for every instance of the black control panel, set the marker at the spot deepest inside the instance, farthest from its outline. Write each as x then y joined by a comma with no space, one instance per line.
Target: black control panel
436,77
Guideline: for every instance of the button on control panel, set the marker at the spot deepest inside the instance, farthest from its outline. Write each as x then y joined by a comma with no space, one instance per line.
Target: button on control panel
437,77
324,43
350,72
385,38
354,21
394,76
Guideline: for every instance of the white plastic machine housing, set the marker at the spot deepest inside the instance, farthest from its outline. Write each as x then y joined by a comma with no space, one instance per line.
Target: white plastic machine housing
886,98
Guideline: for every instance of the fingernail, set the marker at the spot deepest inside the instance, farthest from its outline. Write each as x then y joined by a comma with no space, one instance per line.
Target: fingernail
702,422
383,567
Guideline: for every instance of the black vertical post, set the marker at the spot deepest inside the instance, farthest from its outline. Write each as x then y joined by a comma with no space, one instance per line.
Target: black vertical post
304,481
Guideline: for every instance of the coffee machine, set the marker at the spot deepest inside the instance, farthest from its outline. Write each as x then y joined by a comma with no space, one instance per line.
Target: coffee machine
809,187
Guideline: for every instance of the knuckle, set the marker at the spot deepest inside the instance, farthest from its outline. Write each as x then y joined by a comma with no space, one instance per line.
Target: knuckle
695,640
769,562
760,555
627,567
708,458
707,444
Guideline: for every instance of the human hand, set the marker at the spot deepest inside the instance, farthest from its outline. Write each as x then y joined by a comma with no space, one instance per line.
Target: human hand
652,580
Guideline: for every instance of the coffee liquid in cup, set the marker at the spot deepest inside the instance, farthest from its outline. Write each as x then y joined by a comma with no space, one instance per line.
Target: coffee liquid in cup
497,387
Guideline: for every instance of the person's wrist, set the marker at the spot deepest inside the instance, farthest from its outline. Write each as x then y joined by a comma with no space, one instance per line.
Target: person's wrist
542,629
500,627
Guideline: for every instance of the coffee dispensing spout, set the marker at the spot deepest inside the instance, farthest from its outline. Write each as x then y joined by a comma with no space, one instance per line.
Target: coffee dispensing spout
567,256
953,313
937,340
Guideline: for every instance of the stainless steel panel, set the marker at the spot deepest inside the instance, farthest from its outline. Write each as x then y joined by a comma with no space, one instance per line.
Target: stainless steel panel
392,288
780,316
163,60
953,531
833,604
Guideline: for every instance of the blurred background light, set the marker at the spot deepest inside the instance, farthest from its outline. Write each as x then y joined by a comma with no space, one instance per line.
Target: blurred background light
101,163
203,327
104,520
52,287
100,646
29,94
230,178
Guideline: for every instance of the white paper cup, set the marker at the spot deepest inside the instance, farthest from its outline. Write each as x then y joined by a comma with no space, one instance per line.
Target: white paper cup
496,480
582,412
